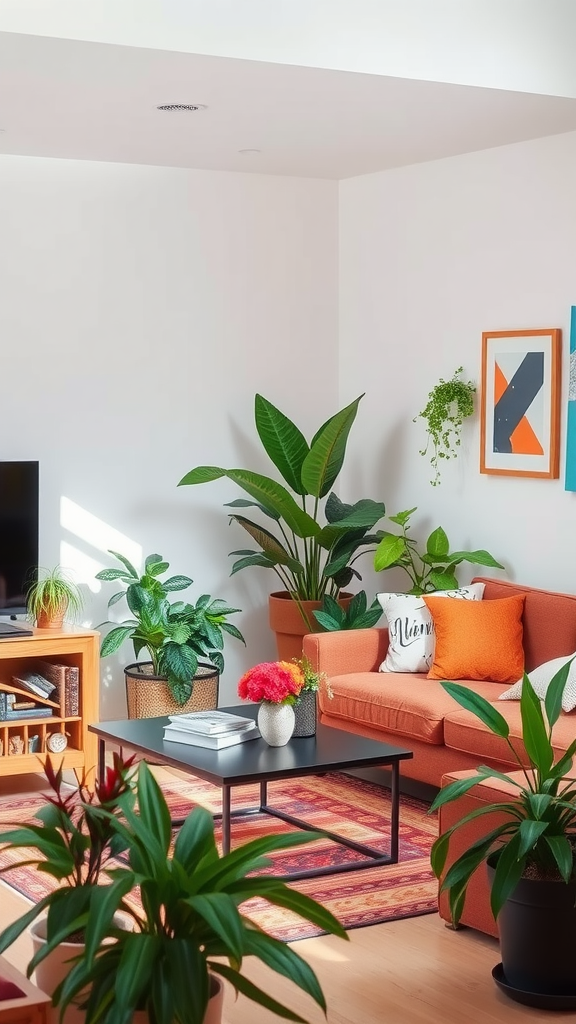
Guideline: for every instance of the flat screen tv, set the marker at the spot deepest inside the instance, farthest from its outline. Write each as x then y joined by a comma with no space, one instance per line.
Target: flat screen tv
18,534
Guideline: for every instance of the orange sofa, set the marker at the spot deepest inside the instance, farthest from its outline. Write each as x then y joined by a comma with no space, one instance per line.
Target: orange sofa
413,711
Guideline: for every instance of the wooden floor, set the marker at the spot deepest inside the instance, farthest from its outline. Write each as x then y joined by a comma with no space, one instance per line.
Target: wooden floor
403,972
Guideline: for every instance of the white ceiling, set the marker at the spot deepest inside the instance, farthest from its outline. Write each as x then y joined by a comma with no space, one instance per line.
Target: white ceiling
97,101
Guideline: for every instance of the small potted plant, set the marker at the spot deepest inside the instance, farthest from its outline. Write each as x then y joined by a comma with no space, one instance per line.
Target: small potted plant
531,853
435,569
176,635
73,840
190,928
449,403
306,706
313,544
51,597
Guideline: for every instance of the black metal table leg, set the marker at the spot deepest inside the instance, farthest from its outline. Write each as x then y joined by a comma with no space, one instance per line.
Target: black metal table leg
226,819
101,760
395,813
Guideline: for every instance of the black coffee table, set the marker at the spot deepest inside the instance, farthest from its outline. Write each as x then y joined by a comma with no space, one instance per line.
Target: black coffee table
330,750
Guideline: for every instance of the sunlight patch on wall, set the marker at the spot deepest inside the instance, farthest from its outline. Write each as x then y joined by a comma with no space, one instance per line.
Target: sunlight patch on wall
95,532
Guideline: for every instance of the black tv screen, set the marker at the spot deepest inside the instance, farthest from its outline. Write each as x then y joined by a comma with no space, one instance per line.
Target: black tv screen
18,533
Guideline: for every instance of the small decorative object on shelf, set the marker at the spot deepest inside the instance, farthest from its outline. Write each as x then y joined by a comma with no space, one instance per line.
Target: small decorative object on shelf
56,742
275,685
449,403
33,744
15,745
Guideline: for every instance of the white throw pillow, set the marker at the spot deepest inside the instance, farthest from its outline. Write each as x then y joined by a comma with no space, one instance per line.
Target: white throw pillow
411,629
541,678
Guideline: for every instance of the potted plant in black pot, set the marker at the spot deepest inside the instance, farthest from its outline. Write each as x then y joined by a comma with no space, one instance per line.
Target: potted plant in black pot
310,544
189,933
175,634
530,853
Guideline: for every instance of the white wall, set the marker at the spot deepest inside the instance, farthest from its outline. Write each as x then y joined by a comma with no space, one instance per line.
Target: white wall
431,256
524,45
141,309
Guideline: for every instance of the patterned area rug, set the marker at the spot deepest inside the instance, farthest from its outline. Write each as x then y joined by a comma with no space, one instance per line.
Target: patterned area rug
336,802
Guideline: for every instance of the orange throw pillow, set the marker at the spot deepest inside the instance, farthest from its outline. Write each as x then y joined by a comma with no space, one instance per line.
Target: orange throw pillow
477,639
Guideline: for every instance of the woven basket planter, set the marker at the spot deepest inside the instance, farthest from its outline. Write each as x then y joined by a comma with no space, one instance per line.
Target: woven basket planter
305,714
148,696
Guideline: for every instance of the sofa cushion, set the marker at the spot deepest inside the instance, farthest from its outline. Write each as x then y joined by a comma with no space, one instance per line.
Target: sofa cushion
400,703
478,639
549,620
463,731
541,678
411,628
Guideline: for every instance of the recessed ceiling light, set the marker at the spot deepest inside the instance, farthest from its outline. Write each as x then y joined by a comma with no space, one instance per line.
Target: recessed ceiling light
176,107
248,152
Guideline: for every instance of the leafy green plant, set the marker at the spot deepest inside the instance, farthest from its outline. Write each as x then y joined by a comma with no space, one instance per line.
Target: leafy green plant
357,615
190,923
52,593
72,841
539,831
311,559
175,635
448,405
435,569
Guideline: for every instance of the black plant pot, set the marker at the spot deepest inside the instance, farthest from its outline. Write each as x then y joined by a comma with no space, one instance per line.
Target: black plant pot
537,929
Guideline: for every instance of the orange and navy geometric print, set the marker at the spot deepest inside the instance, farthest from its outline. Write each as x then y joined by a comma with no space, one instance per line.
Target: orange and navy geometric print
518,423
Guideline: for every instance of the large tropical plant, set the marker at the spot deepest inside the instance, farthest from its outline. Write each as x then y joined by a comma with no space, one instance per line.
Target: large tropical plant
175,634
435,568
189,923
311,557
538,834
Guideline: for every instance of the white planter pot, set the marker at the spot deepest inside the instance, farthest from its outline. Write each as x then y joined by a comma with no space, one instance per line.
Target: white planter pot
276,723
54,968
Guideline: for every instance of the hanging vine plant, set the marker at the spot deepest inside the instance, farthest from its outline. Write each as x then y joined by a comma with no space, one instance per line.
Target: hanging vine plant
449,403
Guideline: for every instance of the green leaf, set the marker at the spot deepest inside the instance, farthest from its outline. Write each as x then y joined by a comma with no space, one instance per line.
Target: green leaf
443,580
221,915
272,547
388,552
480,707
195,840
255,559
508,873
554,693
136,966
122,558
257,995
563,854
362,516
115,638
177,583
530,832
285,961
155,565
244,503
275,496
479,557
401,518
534,735
153,808
324,460
437,544
202,475
283,442
14,930
112,574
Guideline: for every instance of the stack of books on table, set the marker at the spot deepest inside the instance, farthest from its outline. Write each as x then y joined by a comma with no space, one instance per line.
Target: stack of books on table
215,729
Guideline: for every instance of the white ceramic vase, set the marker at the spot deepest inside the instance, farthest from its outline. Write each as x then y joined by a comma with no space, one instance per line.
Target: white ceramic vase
276,723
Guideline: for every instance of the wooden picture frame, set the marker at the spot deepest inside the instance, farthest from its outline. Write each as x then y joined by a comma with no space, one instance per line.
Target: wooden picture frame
520,403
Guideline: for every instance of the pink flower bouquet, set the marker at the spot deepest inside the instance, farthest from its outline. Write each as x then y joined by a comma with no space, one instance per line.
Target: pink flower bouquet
275,682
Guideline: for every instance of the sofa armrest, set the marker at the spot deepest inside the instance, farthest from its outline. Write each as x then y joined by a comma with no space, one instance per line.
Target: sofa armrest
346,650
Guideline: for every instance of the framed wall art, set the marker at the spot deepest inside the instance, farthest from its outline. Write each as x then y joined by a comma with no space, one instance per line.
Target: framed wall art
520,403
570,484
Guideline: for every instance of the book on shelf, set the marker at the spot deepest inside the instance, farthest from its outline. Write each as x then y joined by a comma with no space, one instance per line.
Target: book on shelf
34,682
9,713
211,723
66,681
197,739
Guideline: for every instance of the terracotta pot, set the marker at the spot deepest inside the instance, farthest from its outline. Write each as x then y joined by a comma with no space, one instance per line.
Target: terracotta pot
287,622
54,621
